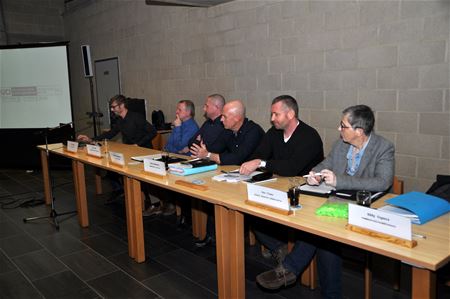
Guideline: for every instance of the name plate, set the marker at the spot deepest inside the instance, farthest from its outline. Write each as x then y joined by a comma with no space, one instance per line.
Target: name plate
94,150
380,221
117,158
154,166
72,146
268,197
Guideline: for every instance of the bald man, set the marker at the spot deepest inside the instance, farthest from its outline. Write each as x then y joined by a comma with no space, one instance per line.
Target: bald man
243,136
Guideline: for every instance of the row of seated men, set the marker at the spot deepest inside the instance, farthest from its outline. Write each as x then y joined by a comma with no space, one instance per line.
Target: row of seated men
359,160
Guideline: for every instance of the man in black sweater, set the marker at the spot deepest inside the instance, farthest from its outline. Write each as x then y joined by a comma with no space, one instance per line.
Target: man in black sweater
134,128
290,147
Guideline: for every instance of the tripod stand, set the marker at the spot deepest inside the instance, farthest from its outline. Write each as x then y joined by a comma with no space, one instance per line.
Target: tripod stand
53,214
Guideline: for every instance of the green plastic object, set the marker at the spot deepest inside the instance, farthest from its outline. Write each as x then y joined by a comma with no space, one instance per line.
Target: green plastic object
333,208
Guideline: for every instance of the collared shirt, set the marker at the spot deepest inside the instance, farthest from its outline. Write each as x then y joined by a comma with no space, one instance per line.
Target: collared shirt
135,129
354,158
181,135
212,135
241,144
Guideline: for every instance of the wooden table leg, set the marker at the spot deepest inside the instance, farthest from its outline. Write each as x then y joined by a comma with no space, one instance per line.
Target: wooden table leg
423,283
230,252
80,192
46,177
98,182
135,225
199,218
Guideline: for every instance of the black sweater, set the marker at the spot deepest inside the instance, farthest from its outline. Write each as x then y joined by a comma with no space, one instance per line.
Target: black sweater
298,156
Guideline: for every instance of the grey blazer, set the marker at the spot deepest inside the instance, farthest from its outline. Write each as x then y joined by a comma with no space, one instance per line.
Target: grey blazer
375,172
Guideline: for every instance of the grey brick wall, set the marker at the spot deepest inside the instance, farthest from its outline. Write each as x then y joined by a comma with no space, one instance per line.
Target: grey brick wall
391,55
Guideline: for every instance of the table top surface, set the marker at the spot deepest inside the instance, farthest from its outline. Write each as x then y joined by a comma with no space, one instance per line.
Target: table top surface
430,253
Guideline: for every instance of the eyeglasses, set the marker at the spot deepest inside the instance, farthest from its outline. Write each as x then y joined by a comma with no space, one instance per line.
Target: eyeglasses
343,126
114,106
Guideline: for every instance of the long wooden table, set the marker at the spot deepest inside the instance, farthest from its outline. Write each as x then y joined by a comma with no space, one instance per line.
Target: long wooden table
229,204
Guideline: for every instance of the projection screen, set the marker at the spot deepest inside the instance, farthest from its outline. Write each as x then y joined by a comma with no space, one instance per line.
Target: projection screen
34,86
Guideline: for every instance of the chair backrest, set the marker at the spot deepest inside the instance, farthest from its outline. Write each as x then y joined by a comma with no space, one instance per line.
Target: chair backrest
397,186
157,142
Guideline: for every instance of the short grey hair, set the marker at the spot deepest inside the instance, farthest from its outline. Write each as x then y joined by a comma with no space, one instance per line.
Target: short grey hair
189,106
360,116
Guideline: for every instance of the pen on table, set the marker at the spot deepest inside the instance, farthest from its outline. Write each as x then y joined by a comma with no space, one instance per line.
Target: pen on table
343,194
312,175
419,236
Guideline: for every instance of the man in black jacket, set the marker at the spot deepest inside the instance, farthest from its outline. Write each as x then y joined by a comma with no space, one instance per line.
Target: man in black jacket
290,147
135,129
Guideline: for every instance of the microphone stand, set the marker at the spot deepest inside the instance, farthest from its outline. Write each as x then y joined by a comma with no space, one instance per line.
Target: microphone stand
53,214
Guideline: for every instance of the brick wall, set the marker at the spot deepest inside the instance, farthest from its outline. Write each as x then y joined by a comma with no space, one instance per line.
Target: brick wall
30,21
391,55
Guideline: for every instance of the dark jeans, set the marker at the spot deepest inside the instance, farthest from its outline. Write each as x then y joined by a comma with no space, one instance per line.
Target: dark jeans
329,262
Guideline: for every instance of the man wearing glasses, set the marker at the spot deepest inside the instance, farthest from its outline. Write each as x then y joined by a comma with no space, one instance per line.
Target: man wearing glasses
135,129
359,160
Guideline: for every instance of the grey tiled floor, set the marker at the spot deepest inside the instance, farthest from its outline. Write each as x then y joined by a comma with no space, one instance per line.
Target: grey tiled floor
36,261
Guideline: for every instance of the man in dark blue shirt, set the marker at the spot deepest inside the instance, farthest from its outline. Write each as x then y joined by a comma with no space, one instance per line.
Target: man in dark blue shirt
212,131
242,137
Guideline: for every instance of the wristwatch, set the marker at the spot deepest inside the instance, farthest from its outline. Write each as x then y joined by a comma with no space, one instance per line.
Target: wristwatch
262,164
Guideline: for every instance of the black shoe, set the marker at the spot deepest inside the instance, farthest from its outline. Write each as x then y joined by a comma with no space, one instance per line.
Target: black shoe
276,278
181,222
206,241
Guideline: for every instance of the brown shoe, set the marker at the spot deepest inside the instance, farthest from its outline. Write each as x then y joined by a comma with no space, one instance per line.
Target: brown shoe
276,278
152,210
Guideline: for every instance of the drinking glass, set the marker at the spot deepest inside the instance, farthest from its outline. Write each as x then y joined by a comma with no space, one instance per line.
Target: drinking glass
364,198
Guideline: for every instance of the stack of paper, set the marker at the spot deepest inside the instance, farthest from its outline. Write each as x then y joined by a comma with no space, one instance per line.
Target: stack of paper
320,189
400,212
233,177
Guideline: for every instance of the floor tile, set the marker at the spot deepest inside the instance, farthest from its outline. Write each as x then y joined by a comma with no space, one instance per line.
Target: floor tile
15,286
38,264
62,244
65,285
139,271
120,285
5,264
87,264
8,229
179,287
190,265
106,244
19,245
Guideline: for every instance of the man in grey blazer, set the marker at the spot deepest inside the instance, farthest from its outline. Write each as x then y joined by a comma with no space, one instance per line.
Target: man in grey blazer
359,160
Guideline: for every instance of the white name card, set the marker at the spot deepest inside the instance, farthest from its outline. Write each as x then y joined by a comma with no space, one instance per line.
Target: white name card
380,221
154,166
94,150
72,146
117,158
268,196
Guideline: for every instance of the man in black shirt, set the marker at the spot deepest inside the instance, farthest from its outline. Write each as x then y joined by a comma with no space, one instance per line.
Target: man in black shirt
212,131
135,129
242,137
